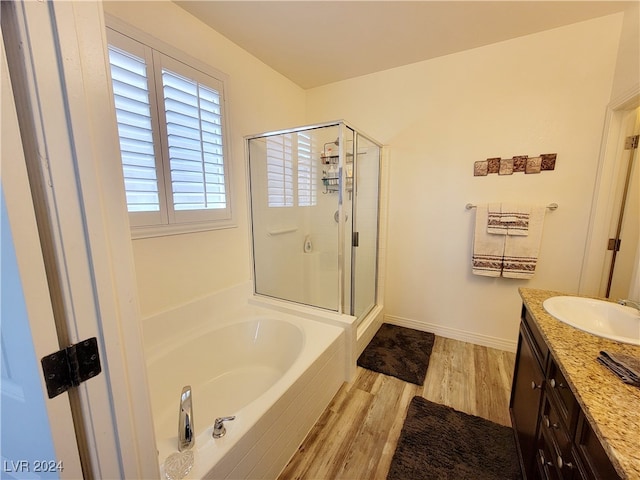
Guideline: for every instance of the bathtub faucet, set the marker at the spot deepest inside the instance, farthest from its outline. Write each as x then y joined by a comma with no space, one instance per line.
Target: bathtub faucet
630,303
186,433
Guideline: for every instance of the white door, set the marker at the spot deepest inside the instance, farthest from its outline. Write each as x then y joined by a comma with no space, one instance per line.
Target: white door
57,61
625,224
38,439
28,448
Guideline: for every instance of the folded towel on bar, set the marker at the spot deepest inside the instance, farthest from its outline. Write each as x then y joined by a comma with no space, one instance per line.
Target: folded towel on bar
487,248
495,225
508,219
516,218
624,366
521,252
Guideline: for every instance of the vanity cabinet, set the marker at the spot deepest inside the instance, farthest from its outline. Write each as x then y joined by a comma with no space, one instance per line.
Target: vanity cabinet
526,394
553,438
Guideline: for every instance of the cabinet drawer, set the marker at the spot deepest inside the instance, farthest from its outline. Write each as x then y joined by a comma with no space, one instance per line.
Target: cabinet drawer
560,457
595,460
562,395
545,467
554,427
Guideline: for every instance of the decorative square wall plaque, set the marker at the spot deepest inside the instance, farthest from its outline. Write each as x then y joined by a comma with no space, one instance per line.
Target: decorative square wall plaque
533,165
494,165
506,166
480,168
548,161
520,163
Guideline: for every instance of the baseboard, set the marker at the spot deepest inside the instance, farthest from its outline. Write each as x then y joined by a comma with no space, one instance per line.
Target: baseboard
454,333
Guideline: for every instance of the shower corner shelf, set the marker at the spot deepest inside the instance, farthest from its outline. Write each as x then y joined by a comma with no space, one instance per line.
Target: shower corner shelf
331,180
330,184
329,159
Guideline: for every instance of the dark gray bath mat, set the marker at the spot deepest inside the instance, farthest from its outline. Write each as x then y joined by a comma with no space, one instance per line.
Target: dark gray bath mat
400,352
438,442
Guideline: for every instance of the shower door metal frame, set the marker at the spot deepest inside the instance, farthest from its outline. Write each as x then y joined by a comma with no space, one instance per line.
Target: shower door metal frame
341,223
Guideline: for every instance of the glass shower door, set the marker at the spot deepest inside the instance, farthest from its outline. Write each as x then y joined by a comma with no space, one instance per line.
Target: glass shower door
295,235
365,226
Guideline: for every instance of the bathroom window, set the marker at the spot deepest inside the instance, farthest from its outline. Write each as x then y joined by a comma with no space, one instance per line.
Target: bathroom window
172,134
289,158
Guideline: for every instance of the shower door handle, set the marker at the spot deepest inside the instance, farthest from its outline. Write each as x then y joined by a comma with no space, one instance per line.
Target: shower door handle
355,239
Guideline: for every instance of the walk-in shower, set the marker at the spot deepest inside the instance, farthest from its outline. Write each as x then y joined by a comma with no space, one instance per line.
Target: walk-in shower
314,212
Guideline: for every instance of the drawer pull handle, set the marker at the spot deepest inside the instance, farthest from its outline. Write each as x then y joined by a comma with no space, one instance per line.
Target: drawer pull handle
548,423
553,384
534,386
543,461
561,463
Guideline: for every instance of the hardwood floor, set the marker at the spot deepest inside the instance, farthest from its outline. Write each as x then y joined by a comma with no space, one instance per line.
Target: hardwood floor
356,436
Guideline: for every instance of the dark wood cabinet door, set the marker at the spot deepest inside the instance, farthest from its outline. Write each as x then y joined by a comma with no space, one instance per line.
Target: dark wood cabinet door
526,392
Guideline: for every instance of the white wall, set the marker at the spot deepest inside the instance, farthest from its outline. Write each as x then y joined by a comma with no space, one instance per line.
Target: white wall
628,63
177,269
543,93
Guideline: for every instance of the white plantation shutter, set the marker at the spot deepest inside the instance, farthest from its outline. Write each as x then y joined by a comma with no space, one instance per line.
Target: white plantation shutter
195,173
307,172
194,136
134,103
134,128
280,171
291,171
171,128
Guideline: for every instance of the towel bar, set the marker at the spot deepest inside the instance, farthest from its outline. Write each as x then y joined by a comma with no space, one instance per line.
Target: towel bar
551,206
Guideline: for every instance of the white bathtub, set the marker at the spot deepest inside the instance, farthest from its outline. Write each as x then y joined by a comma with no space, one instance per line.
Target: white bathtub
275,372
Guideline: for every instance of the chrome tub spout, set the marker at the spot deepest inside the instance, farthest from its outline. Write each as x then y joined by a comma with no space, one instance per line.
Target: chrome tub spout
186,431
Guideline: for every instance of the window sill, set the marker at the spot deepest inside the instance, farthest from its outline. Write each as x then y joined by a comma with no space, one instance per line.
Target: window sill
178,229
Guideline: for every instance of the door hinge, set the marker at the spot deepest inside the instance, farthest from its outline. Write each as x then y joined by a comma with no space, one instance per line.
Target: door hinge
614,244
355,239
631,143
70,367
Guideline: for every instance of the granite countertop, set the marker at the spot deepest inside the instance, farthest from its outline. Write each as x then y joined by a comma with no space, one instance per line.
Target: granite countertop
611,406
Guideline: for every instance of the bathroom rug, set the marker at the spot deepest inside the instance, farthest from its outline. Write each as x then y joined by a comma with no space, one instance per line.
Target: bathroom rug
438,442
400,352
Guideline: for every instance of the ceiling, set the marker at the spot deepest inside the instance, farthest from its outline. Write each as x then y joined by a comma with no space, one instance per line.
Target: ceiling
314,43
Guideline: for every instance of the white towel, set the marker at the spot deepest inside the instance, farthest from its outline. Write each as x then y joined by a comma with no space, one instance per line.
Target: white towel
494,219
516,218
487,248
508,219
521,252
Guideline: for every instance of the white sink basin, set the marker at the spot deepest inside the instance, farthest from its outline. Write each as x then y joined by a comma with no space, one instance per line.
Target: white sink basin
599,317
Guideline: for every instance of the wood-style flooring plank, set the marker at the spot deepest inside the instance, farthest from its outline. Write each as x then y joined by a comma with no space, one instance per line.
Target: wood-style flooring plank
389,448
375,431
356,436
323,451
